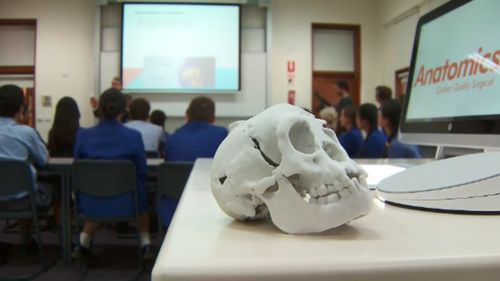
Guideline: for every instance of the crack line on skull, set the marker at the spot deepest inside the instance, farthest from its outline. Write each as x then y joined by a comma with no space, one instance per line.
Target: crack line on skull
268,160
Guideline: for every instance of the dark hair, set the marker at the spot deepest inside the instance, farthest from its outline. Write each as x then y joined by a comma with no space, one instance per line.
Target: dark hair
391,110
63,131
158,117
128,98
368,112
350,112
342,85
11,100
201,109
111,103
139,109
383,93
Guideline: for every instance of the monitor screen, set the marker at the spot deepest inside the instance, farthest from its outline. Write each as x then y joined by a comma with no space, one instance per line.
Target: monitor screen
453,92
180,48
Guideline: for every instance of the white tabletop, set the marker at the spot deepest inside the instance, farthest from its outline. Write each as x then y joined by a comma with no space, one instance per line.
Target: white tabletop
388,244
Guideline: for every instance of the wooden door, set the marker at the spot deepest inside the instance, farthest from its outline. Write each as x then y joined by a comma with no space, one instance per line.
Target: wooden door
27,72
324,91
323,81
28,116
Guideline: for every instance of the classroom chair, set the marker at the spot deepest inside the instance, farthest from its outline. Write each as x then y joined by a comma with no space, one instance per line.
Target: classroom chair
105,179
172,178
16,176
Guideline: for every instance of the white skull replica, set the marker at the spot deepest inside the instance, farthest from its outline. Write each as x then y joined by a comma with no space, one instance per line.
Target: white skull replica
283,162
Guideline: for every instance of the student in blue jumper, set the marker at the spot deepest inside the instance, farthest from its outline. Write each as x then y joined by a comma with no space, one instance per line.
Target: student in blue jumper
352,139
389,117
109,139
198,138
374,144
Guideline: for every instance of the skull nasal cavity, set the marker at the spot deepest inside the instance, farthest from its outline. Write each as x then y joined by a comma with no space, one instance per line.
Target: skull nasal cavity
302,138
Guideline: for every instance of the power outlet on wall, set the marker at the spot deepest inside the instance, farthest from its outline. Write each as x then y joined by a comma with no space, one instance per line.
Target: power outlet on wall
46,101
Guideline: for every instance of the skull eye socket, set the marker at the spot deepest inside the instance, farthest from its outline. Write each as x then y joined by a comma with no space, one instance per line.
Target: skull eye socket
301,138
332,151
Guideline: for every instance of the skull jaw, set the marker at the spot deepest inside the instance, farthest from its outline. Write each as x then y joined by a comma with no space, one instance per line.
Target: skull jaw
290,213
284,141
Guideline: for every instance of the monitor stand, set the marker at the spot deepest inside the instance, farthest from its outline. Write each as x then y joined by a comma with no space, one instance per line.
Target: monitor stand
468,183
447,152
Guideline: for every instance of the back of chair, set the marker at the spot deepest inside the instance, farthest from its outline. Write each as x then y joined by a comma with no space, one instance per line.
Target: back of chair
172,177
15,177
103,178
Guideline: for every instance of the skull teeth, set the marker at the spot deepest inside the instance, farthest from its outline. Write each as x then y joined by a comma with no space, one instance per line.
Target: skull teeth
331,193
329,199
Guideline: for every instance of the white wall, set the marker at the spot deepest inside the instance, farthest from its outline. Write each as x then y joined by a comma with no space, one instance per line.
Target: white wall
399,21
291,29
64,52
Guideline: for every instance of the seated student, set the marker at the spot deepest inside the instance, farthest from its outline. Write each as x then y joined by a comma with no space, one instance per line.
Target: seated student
63,132
389,116
198,138
330,115
126,115
20,142
352,139
374,144
158,117
109,139
151,134
61,142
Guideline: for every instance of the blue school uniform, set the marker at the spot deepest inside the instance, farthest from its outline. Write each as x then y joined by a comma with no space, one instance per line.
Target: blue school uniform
196,139
111,140
396,149
352,141
374,145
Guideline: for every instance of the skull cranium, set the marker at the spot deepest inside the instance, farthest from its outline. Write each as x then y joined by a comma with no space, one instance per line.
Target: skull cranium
284,163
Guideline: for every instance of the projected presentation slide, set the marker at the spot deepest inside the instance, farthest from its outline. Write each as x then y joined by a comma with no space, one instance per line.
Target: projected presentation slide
180,48
457,65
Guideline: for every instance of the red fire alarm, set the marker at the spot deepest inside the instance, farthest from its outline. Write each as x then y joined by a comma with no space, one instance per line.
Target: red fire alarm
291,66
291,96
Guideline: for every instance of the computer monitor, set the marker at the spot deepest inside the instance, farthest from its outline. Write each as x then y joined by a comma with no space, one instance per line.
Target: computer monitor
453,92
453,100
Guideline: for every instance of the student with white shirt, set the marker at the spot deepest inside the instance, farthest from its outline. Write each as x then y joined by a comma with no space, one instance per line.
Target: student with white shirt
20,142
151,134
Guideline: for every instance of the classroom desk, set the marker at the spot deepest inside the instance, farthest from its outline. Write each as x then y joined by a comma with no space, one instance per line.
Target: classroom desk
388,244
62,167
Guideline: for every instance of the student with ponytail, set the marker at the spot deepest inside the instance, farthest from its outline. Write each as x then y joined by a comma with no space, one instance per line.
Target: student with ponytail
109,139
